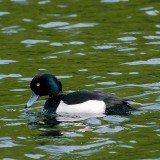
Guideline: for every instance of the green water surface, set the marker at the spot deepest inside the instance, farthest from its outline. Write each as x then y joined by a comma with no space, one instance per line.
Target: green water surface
108,45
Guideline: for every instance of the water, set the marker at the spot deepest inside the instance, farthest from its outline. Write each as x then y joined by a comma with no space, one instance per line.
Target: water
108,45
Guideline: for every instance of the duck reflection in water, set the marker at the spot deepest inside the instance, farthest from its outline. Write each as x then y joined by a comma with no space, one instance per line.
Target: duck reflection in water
46,124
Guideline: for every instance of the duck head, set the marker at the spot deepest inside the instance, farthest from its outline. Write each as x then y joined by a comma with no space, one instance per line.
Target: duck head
42,85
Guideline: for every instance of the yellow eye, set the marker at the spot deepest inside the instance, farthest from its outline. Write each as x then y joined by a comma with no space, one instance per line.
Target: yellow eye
38,84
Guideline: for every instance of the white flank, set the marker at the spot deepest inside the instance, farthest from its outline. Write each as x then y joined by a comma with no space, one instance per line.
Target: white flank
91,106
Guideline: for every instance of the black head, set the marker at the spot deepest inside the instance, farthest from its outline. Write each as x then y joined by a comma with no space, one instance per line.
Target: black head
42,85
46,84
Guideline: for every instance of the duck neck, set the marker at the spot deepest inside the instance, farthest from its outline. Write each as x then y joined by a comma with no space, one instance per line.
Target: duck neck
52,103
57,96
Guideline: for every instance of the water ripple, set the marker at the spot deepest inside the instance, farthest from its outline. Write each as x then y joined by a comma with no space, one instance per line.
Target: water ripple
27,20
71,16
6,142
25,79
125,49
19,1
113,1
68,43
95,76
61,52
4,61
158,26
146,8
4,13
18,90
34,156
115,119
127,38
107,83
79,25
116,45
153,43
152,13
30,42
153,86
56,44
15,124
115,73
10,76
62,77
58,150
151,37
104,46
44,2
153,61
50,57
12,29
75,43
83,70
53,24
106,129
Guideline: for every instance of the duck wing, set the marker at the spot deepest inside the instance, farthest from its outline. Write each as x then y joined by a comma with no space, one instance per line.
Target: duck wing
114,105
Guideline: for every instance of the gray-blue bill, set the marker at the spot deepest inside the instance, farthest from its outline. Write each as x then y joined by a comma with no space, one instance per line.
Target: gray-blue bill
32,99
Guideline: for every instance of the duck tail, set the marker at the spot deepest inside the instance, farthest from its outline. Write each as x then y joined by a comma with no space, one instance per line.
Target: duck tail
122,108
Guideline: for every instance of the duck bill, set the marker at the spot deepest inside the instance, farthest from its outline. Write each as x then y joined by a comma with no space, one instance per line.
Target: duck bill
32,99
